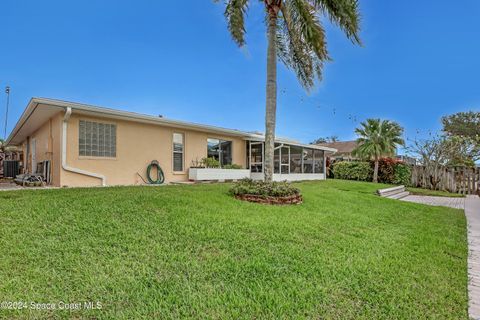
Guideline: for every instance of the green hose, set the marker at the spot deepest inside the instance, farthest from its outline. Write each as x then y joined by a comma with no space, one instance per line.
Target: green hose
160,177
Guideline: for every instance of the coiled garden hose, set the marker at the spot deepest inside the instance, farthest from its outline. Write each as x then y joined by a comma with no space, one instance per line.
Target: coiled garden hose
160,176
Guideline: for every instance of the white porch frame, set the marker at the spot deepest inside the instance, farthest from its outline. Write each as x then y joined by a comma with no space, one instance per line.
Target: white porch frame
284,176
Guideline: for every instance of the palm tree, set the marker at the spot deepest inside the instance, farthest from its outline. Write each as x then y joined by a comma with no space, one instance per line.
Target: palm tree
378,138
297,37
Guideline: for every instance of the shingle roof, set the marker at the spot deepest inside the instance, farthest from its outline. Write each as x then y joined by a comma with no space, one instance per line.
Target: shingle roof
341,146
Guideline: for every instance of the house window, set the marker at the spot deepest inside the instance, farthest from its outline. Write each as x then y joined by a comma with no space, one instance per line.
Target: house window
220,150
178,152
97,139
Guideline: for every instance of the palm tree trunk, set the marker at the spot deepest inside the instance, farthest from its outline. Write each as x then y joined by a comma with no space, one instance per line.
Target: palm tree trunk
375,171
271,106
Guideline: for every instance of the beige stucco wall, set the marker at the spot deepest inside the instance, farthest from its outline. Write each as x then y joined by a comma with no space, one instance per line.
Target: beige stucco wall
137,145
47,139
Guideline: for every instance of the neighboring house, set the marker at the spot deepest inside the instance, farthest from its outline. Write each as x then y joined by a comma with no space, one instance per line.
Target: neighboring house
344,150
406,159
84,145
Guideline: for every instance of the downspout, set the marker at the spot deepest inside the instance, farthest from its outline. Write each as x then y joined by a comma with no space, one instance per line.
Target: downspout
66,117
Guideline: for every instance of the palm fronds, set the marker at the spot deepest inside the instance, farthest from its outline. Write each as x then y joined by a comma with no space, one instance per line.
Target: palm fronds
235,12
377,138
301,40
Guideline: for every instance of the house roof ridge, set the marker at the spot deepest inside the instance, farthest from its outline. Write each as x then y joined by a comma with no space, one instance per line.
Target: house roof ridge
141,117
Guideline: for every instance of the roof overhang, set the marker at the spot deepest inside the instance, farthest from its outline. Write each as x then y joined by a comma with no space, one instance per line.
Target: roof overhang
261,138
35,115
39,110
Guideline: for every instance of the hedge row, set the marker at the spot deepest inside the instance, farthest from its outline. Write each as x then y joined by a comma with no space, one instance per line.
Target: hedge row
390,171
355,170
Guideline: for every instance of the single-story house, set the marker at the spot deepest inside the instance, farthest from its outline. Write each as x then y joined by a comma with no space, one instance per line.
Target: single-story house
344,150
74,144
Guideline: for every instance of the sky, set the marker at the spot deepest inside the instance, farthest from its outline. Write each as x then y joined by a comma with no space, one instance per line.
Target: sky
420,60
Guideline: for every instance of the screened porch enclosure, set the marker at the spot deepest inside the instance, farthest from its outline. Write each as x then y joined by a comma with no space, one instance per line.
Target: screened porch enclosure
291,162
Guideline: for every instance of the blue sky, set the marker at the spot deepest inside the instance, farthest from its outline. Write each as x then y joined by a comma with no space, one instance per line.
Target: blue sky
420,60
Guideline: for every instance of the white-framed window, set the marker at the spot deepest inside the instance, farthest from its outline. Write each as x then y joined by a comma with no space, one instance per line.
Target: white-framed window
178,152
220,150
96,139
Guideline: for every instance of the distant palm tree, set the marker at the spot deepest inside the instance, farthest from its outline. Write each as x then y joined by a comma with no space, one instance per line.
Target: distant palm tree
378,138
297,37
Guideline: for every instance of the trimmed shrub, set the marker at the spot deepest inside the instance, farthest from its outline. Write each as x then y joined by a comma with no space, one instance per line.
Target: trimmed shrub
403,174
393,171
329,166
386,170
355,170
264,189
390,171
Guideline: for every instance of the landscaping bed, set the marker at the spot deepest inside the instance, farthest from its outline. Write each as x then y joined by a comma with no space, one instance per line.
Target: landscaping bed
294,199
279,193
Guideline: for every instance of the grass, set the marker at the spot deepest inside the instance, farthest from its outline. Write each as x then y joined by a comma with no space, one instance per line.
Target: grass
194,252
435,193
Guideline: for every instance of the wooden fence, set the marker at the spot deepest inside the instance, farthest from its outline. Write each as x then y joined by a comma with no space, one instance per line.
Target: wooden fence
457,180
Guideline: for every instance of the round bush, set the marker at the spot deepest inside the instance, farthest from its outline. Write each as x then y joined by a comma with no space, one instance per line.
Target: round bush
265,189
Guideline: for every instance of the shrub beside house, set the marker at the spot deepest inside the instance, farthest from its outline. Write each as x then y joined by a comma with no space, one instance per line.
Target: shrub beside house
391,171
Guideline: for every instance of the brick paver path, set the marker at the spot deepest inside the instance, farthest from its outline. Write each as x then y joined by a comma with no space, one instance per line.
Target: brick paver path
471,204
472,212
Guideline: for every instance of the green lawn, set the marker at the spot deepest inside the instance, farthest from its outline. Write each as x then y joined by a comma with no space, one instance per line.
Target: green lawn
435,193
194,252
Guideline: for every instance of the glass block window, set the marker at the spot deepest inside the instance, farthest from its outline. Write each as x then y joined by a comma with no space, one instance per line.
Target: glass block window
178,152
97,139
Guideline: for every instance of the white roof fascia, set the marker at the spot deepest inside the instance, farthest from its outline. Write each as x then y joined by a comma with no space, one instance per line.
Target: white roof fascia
133,116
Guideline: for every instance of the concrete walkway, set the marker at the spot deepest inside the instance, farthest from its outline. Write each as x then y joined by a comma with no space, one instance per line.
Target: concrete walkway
472,212
457,203
10,186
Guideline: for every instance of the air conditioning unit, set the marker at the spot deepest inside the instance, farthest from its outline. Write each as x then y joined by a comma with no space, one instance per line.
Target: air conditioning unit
11,168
